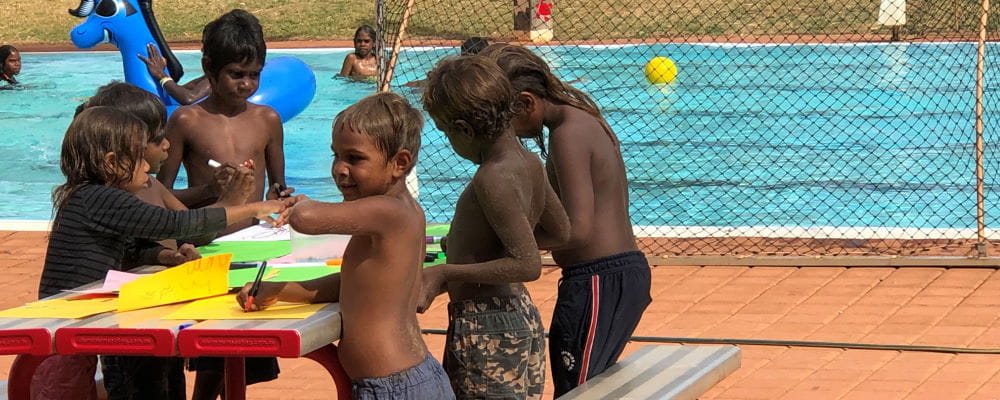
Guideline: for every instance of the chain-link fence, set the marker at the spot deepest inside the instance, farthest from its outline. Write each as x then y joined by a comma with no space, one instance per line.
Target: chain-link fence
793,127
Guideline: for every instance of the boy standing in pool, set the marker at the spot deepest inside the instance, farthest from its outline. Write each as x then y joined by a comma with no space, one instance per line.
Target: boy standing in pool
10,64
363,62
495,343
226,127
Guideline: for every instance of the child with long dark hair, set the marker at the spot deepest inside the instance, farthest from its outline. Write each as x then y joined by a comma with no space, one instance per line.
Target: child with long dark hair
606,279
97,214
10,64
363,62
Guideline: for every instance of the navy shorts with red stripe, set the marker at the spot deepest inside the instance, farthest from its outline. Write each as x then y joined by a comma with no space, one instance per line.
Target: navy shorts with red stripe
598,307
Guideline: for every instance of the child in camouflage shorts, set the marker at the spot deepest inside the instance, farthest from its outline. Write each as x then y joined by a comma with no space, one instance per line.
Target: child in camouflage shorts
496,345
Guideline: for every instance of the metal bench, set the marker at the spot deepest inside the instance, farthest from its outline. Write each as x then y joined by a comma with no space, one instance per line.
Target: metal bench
662,372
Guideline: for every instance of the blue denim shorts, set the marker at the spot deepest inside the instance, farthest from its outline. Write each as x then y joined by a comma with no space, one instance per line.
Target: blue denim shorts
426,380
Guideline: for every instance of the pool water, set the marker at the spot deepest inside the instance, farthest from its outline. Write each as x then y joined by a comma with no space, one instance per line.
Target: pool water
748,135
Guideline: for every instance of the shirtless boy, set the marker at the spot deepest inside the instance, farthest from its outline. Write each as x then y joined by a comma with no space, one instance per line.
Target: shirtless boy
375,143
225,127
495,342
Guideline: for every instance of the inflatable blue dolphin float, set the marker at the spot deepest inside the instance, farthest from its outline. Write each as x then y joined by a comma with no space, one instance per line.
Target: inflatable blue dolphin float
286,83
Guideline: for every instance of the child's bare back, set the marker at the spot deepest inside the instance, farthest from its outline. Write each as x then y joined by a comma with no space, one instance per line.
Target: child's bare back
581,139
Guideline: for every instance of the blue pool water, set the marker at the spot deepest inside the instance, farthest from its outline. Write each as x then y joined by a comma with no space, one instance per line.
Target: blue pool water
781,135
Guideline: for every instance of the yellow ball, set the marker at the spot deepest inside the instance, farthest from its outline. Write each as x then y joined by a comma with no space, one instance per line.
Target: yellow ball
660,70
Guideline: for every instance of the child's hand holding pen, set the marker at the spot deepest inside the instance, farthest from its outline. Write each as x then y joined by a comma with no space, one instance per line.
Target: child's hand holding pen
233,183
267,295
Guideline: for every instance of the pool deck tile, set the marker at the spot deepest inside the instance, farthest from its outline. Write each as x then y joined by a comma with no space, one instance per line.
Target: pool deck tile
955,307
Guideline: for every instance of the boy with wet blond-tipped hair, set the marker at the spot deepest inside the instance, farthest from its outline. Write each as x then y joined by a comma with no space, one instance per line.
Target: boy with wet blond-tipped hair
375,144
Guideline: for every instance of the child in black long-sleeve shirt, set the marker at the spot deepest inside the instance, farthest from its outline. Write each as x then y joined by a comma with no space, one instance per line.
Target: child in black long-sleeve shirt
97,213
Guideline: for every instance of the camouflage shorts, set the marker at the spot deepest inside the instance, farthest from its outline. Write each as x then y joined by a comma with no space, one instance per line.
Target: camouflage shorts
495,348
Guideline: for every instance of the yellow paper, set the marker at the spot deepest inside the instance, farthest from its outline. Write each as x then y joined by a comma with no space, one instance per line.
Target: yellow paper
196,279
132,319
225,307
62,308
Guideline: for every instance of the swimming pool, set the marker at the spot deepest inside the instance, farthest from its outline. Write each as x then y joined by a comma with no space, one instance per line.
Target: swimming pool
888,139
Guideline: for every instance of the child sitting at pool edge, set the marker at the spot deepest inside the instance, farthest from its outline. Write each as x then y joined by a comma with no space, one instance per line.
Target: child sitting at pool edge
97,213
375,143
495,343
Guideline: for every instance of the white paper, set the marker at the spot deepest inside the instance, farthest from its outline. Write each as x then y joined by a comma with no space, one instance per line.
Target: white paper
258,233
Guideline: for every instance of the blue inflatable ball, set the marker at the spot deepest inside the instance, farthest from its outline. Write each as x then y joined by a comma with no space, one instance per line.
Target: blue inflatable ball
287,85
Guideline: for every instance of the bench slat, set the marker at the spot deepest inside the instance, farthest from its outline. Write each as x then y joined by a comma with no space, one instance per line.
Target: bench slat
662,372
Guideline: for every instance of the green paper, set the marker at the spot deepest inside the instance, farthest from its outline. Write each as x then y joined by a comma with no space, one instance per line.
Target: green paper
248,251
240,277
435,262
438,229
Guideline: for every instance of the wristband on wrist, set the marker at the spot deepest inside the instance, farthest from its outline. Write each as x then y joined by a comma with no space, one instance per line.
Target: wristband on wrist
163,80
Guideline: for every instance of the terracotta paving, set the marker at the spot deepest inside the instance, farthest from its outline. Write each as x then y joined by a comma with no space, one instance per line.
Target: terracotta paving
957,307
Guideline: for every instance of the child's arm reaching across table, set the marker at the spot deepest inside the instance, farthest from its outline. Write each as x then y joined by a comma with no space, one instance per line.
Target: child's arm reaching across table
366,216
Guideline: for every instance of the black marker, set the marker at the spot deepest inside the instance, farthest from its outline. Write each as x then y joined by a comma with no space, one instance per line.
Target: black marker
279,189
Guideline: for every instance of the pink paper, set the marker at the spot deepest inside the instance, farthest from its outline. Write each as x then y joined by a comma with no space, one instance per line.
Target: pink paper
113,281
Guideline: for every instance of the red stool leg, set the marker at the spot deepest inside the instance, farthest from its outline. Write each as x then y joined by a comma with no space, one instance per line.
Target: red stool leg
327,357
236,378
19,379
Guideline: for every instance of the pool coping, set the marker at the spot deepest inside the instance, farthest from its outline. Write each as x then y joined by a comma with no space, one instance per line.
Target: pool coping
25,225
664,231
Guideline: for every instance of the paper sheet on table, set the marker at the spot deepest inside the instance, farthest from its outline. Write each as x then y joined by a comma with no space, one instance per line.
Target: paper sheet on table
63,308
225,307
196,279
257,233
240,277
112,282
248,251
437,229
